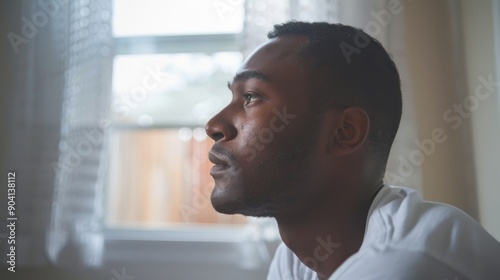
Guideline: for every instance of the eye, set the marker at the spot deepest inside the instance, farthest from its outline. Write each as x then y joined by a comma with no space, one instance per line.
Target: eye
251,97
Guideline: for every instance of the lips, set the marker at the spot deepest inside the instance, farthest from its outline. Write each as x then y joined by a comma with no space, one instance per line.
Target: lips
216,159
221,164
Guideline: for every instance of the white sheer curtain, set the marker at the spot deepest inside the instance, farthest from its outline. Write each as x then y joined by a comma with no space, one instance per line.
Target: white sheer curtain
60,79
33,118
62,88
76,227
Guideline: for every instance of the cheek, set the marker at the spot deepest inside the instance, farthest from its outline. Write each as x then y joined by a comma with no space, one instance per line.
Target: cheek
267,131
248,145
261,144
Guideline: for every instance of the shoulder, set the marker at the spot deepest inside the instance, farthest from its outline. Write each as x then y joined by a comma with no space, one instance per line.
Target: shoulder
428,234
402,214
286,266
397,264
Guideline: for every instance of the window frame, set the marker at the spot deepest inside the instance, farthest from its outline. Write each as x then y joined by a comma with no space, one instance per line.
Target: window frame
206,43
220,242
171,44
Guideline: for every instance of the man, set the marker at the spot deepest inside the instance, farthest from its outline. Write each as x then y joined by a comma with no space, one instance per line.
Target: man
305,140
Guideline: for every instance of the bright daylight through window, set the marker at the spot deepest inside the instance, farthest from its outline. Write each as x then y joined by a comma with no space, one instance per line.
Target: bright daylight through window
173,59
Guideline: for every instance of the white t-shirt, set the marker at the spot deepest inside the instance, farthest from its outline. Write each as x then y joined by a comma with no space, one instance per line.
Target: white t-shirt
408,238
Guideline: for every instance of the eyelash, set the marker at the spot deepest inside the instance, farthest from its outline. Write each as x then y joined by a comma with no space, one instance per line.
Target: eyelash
248,96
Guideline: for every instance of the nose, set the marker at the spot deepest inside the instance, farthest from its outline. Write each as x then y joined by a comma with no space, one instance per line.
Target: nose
219,128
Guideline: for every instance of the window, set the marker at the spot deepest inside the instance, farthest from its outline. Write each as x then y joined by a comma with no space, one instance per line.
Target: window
169,77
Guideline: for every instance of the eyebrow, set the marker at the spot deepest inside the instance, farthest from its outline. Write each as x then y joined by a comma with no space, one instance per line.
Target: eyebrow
247,75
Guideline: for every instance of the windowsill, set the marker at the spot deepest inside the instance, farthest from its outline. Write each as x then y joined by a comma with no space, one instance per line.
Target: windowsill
182,234
223,246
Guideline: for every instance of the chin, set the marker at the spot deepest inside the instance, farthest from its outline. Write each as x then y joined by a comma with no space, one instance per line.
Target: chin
224,206
227,204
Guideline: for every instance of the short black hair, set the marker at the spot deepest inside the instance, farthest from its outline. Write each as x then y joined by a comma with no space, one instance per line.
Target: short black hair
357,71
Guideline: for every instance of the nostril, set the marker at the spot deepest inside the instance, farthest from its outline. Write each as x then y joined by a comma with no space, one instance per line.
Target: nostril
217,136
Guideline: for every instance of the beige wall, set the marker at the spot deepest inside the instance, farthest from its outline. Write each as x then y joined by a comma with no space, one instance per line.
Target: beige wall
478,20
450,46
437,70
441,49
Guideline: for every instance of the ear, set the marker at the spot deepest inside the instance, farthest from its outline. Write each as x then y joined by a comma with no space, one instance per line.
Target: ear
349,132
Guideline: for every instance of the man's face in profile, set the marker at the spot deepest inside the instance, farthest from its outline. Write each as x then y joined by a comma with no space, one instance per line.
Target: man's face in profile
265,137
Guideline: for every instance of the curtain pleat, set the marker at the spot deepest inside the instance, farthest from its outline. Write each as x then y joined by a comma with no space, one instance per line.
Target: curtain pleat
75,236
33,118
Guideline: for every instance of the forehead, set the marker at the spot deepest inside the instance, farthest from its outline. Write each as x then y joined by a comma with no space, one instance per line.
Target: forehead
278,59
285,47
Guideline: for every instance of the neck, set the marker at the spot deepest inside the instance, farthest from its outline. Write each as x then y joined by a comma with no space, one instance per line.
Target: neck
330,231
